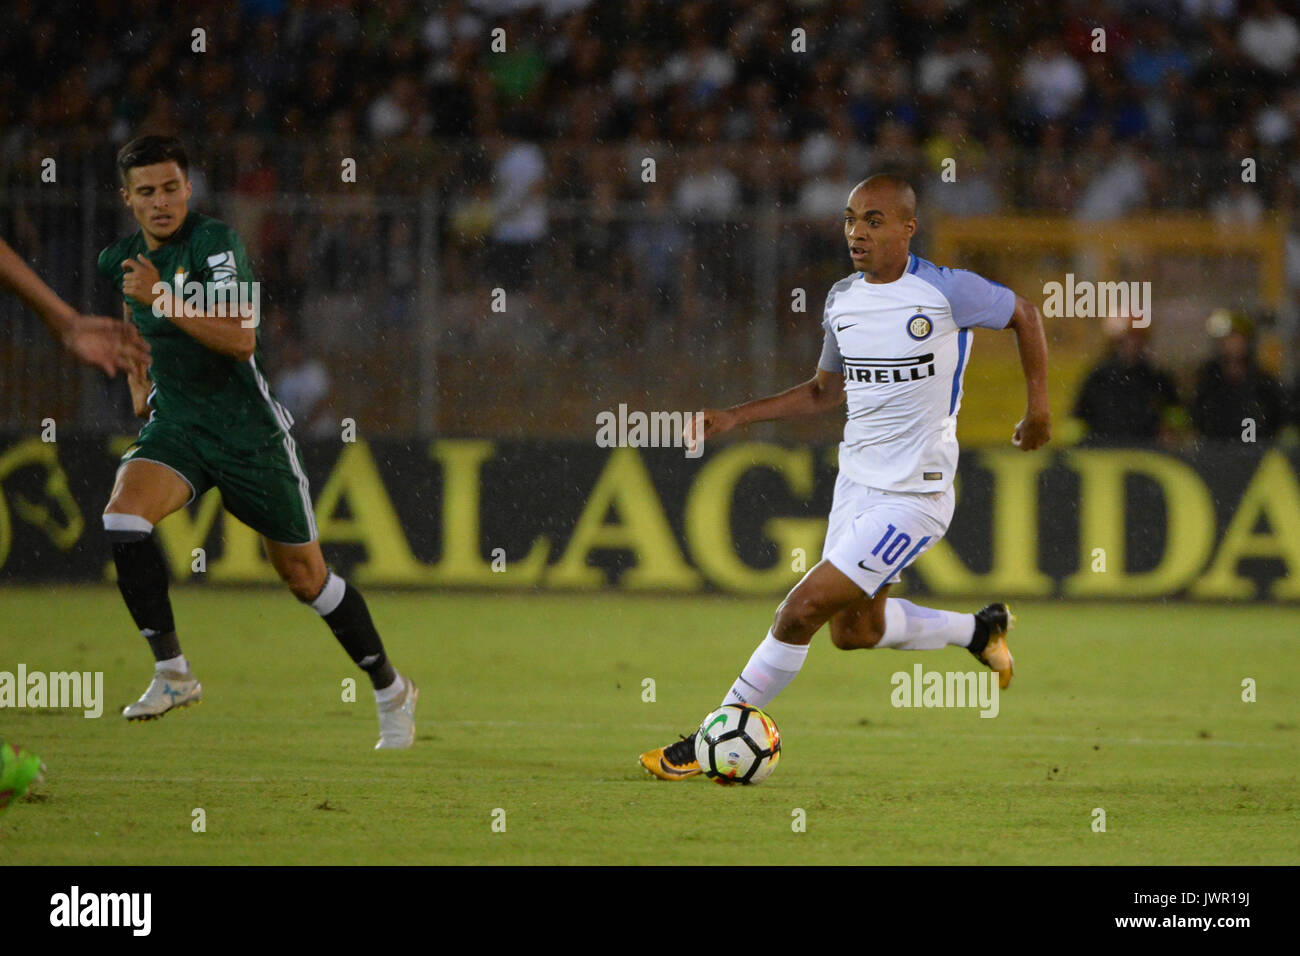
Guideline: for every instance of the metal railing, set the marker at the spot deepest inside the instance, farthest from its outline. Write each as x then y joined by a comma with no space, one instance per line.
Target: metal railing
426,326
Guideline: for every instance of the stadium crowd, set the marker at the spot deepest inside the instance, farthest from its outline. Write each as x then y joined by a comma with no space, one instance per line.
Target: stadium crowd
1129,399
1091,110
1098,121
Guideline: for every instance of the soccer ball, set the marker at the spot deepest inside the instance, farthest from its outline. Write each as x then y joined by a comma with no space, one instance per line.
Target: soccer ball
738,744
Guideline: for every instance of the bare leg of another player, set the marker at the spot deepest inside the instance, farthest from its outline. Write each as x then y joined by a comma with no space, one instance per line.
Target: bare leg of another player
302,568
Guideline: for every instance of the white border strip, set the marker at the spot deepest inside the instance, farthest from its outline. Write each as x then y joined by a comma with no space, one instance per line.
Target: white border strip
291,449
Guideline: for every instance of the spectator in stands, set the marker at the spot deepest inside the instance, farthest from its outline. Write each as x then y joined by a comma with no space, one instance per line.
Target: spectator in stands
659,243
518,73
447,26
1238,206
1119,187
702,71
953,54
707,195
303,383
519,222
1127,398
1234,396
1156,55
1051,81
401,278
708,188
1276,123
398,110
1054,181
1269,38
822,196
959,183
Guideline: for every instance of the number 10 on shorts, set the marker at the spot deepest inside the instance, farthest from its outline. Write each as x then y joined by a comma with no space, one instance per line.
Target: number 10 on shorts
894,543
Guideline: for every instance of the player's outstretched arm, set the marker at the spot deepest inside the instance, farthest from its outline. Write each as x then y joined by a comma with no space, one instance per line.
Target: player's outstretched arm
823,391
221,333
93,339
17,277
1035,429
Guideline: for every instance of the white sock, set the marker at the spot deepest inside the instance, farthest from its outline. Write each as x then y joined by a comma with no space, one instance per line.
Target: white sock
391,691
177,663
331,595
769,671
912,628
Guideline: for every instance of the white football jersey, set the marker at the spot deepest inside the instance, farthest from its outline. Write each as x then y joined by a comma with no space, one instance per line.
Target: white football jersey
902,347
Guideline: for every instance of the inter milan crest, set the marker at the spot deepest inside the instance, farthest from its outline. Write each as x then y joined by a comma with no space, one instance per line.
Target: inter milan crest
919,326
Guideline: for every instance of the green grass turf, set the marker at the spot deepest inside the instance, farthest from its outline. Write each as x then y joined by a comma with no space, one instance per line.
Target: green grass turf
534,704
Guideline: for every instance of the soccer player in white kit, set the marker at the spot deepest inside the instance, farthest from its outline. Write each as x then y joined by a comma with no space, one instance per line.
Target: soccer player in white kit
897,342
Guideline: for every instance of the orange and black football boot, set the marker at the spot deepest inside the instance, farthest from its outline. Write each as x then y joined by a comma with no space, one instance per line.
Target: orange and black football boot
990,641
674,762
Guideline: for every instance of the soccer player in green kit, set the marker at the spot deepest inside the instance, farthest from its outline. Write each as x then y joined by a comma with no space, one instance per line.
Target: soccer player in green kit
213,422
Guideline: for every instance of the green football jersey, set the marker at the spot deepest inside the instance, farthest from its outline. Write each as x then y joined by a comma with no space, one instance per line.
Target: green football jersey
194,385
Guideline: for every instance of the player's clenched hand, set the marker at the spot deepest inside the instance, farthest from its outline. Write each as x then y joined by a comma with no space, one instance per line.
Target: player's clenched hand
715,422
1032,431
139,276
108,344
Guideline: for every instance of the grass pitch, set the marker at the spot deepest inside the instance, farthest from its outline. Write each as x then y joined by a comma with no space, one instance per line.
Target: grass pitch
532,705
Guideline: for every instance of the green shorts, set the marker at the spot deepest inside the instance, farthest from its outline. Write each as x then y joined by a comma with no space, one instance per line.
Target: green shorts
262,483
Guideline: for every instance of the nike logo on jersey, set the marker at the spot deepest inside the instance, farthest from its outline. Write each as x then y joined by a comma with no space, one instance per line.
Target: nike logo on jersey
841,328
864,567
883,371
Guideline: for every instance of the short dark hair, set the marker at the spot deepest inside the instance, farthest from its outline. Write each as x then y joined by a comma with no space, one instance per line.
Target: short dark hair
150,149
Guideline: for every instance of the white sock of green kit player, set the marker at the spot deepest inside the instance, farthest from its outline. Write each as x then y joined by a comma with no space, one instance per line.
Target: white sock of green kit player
770,669
383,696
909,627
178,664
